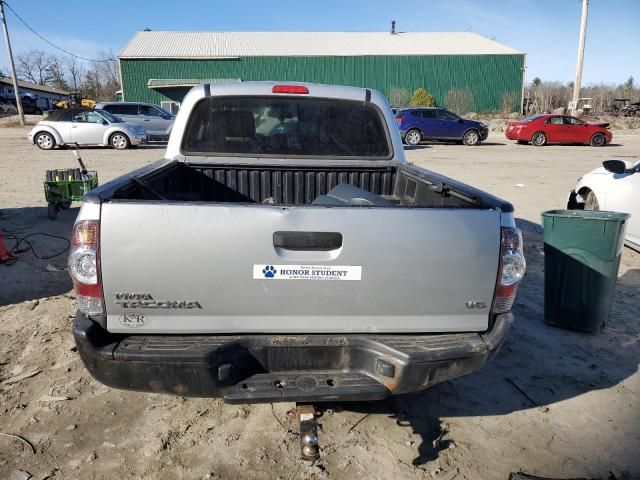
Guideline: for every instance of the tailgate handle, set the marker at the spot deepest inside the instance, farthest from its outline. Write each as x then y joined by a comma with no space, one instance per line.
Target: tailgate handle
307,241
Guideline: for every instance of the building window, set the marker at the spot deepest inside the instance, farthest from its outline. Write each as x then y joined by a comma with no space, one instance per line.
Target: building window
171,106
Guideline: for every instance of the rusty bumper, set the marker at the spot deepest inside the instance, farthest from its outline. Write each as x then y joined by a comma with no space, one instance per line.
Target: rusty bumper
277,368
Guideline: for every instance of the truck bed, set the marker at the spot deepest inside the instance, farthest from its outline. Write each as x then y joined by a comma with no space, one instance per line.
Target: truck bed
402,185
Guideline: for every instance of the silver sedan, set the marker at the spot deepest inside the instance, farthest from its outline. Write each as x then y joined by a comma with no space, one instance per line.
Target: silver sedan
86,127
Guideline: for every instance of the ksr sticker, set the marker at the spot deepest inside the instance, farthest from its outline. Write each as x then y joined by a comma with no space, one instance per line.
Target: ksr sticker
133,320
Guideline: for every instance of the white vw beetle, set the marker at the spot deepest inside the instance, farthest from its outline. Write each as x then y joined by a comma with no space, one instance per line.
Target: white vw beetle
85,126
615,187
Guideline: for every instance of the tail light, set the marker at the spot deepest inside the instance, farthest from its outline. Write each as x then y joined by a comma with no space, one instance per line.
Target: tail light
84,266
511,271
399,120
296,89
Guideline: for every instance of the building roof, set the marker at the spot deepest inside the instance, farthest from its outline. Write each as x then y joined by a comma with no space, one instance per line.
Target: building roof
33,86
206,45
185,82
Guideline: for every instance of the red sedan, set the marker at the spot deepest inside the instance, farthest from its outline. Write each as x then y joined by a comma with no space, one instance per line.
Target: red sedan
543,129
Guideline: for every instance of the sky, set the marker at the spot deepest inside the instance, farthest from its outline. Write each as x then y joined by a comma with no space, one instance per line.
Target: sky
547,30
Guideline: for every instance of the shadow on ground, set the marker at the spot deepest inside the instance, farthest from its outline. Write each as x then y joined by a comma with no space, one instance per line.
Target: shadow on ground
427,143
538,365
416,147
146,146
30,278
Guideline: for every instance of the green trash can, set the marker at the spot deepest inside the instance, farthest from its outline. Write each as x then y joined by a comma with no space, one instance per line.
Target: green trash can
582,252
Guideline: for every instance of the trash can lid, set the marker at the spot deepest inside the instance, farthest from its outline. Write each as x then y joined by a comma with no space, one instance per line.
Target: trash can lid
587,215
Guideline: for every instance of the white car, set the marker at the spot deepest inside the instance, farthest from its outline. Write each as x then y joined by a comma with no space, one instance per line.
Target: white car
615,187
85,126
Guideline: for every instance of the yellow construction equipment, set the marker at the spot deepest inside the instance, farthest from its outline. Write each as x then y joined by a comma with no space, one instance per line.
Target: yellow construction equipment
76,100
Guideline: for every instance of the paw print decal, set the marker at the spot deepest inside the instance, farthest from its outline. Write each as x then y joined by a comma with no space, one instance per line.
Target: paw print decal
269,271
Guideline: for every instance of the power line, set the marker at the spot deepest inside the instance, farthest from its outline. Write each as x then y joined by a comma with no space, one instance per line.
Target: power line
52,44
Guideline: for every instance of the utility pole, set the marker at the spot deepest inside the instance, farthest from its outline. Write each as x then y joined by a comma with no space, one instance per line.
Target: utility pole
13,65
583,34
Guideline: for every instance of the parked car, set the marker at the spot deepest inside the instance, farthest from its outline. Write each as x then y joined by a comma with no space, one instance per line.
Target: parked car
543,129
85,127
30,105
615,186
341,272
6,107
154,119
418,124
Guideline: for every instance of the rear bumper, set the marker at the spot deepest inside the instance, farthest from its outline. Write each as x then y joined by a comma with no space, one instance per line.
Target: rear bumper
279,368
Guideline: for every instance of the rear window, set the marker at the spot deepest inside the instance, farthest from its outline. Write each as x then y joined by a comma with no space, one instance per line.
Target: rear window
531,119
285,126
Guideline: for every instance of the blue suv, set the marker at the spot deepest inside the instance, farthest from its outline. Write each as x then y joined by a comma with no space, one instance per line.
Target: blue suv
418,124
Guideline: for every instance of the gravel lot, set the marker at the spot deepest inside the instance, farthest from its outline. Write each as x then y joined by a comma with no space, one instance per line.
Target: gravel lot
553,403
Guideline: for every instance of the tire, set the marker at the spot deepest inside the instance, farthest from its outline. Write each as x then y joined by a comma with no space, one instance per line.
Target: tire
119,141
413,137
538,139
52,211
598,140
45,141
591,202
471,138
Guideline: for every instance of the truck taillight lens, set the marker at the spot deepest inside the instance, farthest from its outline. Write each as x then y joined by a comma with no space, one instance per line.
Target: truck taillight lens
84,267
512,269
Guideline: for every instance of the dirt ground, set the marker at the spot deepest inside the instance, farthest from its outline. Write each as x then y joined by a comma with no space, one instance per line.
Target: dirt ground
553,403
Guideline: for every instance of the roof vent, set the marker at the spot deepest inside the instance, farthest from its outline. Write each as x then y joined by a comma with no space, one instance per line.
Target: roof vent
393,27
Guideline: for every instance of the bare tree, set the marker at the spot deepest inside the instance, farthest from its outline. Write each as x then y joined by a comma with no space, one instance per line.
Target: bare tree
57,72
459,101
35,66
74,72
510,102
102,79
91,85
546,96
399,97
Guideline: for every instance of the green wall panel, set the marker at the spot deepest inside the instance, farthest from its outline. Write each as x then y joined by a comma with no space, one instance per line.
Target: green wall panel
488,76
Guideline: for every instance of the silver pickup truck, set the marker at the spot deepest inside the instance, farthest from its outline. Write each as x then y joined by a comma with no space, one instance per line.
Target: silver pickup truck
285,251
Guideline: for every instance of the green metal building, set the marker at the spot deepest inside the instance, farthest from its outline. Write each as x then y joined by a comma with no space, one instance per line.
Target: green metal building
160,67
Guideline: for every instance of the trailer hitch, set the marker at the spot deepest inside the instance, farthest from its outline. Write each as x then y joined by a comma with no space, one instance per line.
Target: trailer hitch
308,428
